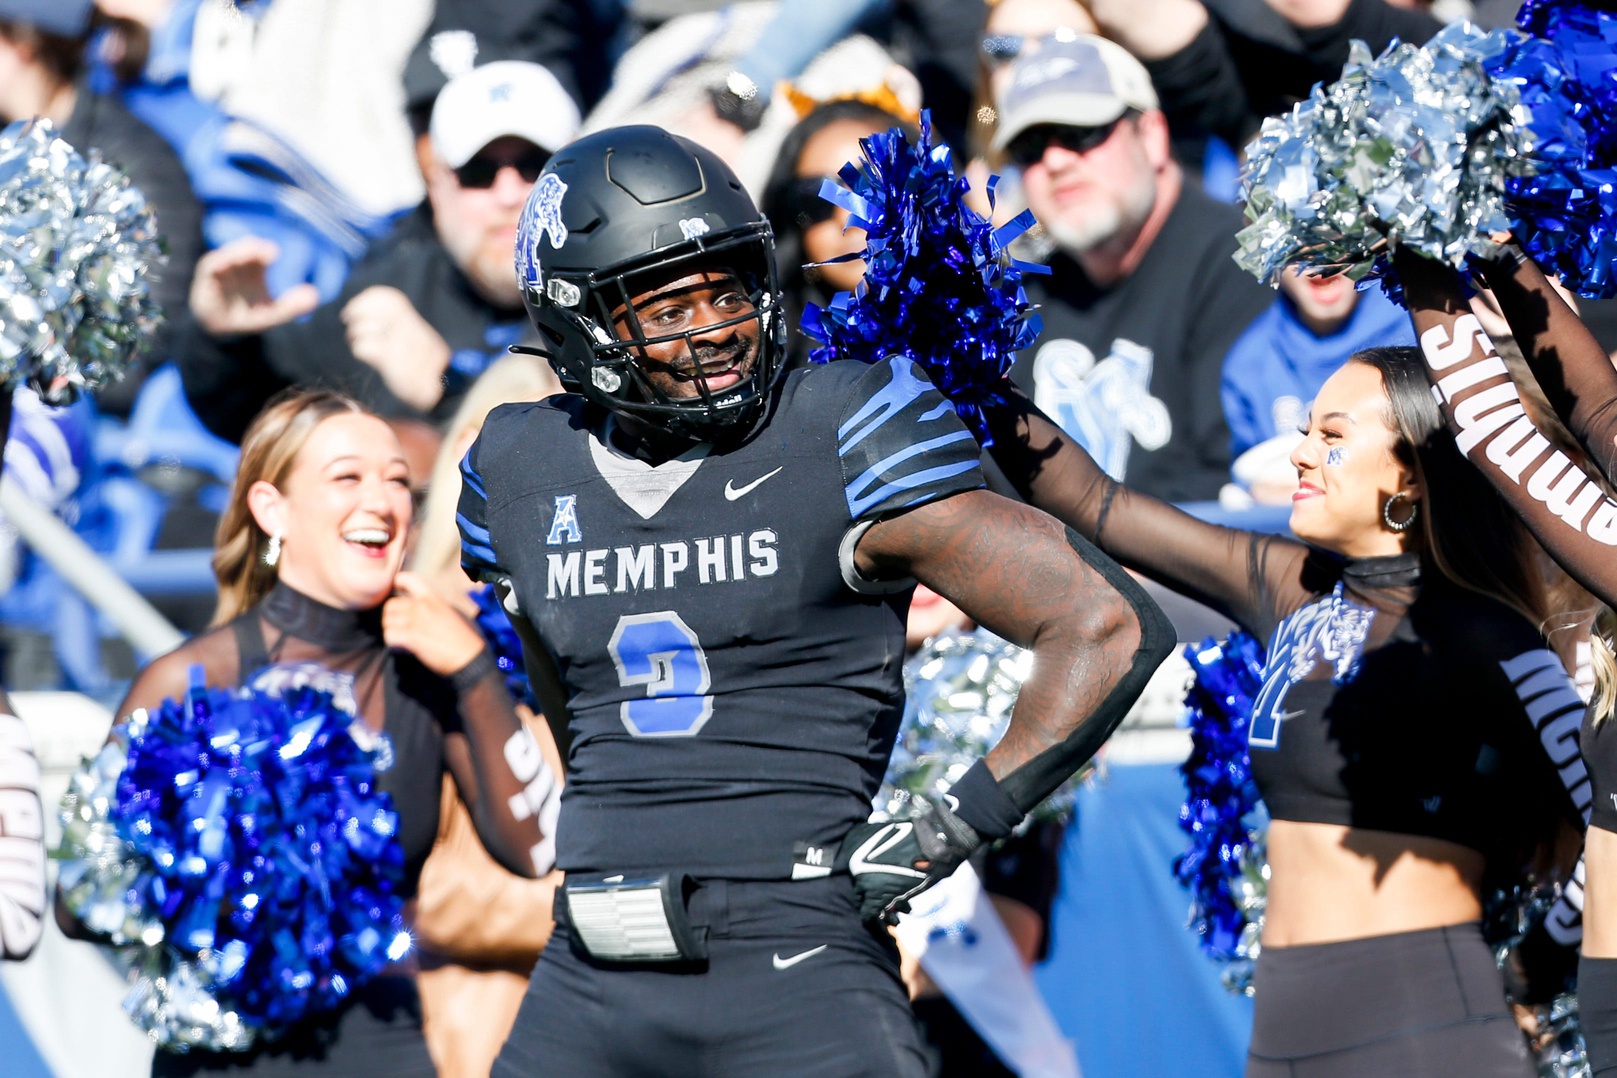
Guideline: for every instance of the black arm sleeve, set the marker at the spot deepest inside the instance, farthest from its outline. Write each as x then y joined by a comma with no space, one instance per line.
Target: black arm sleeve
226,381
1244,575
1570,365
501,771
1037,779
1564,508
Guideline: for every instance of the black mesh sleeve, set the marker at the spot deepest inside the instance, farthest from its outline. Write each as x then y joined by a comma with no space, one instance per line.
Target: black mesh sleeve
901,444
502,773
1248,576
1566,509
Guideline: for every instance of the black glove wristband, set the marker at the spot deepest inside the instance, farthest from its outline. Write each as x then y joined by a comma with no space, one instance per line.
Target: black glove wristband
980,801
474,672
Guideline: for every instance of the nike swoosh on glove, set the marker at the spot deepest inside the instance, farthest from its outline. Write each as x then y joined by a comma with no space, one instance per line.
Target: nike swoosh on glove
893,862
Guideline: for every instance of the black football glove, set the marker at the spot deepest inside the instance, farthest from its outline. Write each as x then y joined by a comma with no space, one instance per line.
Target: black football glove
1538,968
893,862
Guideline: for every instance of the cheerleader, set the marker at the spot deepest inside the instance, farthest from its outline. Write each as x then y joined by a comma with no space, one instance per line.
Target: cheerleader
1409,732
1572,516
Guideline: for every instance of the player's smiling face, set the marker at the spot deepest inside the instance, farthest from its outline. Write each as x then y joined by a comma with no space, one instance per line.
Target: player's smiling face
703,326
342,513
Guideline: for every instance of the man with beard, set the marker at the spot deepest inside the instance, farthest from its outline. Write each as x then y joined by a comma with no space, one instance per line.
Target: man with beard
427,310
711,562
1143,300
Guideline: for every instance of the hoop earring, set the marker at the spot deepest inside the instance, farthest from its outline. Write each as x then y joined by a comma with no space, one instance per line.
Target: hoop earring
272,553
1399,526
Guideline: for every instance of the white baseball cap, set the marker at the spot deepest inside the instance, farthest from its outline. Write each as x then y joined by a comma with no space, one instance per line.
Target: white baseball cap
1081,81
506,98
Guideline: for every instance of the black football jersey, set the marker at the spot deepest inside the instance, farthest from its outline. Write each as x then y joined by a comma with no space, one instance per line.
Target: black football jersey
734,684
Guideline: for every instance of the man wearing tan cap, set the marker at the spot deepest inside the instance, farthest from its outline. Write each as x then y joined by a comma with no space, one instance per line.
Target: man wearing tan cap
1143,300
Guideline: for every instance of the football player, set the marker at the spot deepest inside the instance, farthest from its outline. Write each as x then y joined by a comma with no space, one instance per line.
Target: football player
712,563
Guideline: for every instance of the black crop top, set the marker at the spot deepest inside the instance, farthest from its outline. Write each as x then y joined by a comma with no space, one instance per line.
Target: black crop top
1391,702
1414,707
433,722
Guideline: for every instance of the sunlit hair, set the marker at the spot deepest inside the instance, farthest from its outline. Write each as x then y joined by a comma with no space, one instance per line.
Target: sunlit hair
1603,662
1467,531
512,379
268,451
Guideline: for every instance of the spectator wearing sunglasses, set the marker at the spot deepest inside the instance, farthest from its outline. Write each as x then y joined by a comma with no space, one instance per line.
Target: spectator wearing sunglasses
1011,28
428,309
1143,300
809,231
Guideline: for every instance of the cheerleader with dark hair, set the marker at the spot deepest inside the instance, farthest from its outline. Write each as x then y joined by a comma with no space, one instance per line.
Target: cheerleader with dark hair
1411,740
1566,508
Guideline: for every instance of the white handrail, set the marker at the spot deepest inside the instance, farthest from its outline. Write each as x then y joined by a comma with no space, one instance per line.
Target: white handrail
146,630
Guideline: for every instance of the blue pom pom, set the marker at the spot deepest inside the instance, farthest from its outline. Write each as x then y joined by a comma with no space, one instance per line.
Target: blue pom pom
1565,213
266,863
939,286
495,625
1220,794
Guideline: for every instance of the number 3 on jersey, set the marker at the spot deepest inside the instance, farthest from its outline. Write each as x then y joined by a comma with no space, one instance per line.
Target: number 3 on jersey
659,651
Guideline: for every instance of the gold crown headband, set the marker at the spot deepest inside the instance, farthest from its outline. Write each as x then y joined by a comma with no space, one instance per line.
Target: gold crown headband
881,97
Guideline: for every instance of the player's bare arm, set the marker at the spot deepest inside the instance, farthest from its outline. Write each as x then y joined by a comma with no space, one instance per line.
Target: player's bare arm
1096,637
1012,569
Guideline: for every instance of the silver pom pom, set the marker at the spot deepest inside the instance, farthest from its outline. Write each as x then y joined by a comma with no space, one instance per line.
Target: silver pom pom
169,997
1411,148
960,689
77,242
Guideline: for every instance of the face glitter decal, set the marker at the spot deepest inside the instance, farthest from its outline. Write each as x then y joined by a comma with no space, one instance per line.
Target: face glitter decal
1336,457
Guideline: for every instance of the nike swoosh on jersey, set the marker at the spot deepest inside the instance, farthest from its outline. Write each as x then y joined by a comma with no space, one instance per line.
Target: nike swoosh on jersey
732,492
788,963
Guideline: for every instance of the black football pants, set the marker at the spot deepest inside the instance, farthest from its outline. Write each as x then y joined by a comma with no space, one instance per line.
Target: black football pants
794,986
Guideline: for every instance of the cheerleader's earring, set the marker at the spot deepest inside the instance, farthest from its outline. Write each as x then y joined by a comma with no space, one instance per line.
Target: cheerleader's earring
1399,525
273,553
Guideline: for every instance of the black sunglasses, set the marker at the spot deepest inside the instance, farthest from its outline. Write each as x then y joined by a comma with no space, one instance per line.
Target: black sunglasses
803,203
1028,147
481,172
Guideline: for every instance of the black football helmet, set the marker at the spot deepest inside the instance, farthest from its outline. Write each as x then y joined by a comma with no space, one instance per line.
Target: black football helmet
618,207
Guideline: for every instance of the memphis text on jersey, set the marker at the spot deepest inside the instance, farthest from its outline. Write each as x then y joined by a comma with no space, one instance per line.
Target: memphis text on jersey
666,566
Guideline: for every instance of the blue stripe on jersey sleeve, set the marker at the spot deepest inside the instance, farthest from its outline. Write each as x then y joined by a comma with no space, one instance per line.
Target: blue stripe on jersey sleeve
858,507
474,537
469,476
901,443
477,555
892,399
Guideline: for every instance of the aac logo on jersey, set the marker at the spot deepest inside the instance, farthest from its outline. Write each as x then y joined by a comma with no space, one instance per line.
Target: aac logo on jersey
564,525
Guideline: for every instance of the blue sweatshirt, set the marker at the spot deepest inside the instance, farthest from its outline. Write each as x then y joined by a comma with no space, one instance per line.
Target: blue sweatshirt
1275,368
